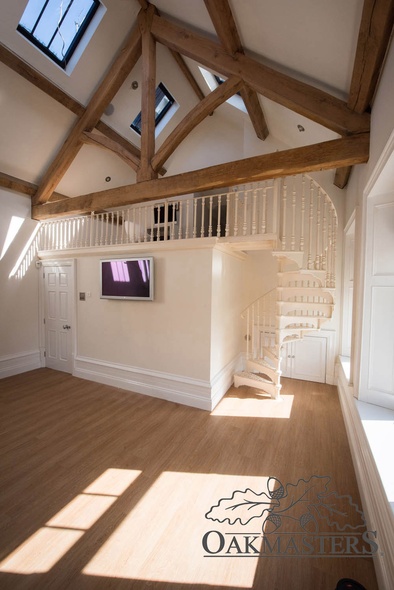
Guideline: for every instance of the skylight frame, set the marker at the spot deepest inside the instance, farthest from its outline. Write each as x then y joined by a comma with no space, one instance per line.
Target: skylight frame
72,46
165,93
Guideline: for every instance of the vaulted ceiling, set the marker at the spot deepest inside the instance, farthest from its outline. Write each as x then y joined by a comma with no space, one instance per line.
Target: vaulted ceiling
306,71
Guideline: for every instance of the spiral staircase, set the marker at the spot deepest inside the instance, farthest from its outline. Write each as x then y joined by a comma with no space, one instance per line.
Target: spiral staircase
300,304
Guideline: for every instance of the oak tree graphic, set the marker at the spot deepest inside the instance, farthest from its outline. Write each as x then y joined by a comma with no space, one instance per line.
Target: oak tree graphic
308,505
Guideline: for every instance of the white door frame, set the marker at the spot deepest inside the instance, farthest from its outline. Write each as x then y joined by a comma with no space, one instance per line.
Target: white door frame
46,263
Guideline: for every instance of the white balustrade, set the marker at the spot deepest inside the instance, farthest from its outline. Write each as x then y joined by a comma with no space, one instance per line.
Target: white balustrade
306,214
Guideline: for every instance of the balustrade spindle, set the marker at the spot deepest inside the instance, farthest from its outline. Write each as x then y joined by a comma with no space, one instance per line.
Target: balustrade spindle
253,334
122,233
318,230
128,226
91,228
284,214
202,217
181,205
302,239
310,224
145,224
195,216
334,250
102,232
324,235
254,212
210,217
218,230
172,236
227,230
293,213
236,213
247,333
245,223
187,219
264,211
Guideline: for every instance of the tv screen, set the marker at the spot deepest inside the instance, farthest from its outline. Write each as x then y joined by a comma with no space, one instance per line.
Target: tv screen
130,278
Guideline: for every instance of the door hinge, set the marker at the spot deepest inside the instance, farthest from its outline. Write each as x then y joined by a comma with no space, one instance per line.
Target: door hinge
44,320
45,353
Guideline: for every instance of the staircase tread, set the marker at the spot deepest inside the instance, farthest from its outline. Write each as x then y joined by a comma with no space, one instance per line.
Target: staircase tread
253,377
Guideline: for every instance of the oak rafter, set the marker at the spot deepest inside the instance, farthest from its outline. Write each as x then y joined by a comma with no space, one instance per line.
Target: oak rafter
298,96
113,80
226,29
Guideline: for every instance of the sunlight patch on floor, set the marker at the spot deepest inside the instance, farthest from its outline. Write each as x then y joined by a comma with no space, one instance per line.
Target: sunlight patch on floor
161,538
40,552
256,406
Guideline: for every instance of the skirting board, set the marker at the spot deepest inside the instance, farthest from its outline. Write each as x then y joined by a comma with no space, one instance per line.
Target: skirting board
377,510
14,364
197,393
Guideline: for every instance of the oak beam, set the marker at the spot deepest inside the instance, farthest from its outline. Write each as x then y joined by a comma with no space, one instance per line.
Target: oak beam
297,96
24,187
110,85
187,73
342,176
224,23
374,35
16,64
255,112
226,29
192,119
346,151
148,96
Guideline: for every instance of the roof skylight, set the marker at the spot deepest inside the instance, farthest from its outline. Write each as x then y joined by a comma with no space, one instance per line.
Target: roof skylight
57,26
164,101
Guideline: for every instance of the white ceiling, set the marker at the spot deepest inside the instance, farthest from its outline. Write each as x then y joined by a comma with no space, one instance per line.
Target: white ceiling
312,40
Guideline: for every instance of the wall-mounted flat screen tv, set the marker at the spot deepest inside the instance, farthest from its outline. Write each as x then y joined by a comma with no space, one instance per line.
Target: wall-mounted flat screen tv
127,278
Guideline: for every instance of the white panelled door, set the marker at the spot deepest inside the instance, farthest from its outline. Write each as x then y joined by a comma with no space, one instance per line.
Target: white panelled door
58,308
377,354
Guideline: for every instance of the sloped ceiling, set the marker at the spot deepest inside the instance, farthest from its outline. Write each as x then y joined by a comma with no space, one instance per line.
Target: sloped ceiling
312,41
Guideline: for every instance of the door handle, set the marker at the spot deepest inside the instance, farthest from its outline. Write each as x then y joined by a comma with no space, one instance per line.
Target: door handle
66,327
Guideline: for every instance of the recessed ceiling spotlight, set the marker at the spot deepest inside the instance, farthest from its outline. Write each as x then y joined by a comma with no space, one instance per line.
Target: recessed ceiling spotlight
134,85
107,179
109,110
300,128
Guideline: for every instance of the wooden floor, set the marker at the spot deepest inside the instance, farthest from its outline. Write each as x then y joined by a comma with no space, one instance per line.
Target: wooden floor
104,489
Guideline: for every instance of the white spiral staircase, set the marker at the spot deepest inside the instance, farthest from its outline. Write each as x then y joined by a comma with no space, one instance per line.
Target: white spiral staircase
299,305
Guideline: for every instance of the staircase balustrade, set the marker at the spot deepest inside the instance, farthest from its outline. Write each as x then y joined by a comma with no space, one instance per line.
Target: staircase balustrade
295,211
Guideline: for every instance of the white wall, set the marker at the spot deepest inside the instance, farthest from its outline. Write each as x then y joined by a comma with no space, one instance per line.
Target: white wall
170,334
235,285
18,293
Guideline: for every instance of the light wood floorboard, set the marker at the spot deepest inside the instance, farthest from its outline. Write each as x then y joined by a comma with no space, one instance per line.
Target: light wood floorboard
106,489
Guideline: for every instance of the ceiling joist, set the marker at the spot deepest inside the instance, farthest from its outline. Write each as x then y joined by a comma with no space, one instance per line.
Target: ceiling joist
323,156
